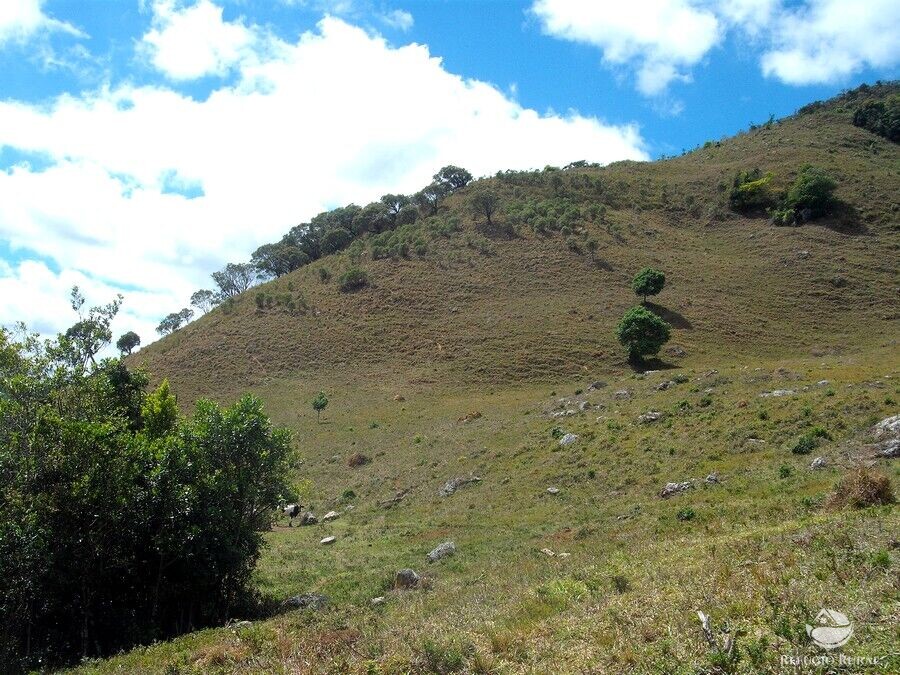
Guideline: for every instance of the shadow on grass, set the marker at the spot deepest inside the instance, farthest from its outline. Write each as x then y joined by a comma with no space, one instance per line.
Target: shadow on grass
656,363
670,316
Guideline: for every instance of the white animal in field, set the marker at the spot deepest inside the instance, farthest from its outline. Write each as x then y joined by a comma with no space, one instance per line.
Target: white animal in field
292,511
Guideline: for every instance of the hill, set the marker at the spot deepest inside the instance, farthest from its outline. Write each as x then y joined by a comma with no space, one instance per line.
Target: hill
473,359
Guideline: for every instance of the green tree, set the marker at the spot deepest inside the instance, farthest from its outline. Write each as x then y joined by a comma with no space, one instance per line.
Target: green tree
234,279
335,240
452,178
91,333
813,190
319,403
128,342
275,260
204,300
429,198
648,281
642,332
484,202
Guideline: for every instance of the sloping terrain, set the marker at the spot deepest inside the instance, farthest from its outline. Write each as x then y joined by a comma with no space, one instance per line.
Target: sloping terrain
475,358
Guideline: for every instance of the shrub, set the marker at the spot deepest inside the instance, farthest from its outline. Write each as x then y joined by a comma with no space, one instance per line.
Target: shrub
642,332
880,117
685,514
353,279
324,274
809,441
862,488
813,190
784,471
751,190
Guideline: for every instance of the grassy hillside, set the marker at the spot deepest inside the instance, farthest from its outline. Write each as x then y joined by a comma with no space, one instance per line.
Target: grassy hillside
514,327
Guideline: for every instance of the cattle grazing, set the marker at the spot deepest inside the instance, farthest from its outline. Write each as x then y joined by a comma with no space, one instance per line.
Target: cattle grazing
292,511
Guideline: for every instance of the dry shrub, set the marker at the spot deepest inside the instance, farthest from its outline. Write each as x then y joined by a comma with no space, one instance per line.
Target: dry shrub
358,459
862,488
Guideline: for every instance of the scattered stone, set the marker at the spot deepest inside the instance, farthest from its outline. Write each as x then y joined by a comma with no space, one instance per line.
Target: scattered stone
599,384
563,413
406,578
358,459
328,540
568,439
713,478
584,405
377,601
890,449
331,515
890,426
818,463
548,552
454,484
313,601
676,351
392,501
399,398
308,518
675,488
553,490
442,551
474,415
241,624
563,555
662,386
823,383
648,417
803,255
778,393
709,373
622,395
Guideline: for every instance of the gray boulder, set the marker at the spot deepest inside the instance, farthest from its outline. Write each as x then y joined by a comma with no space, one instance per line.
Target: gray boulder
889,427
890,449
777,393
313,601
818,463
308,518
622,395
568,439
328,540
406,578
441,551
553,490
331,515
454,484
649,417
675,488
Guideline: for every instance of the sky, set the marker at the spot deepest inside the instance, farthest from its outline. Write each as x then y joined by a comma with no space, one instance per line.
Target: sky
146,143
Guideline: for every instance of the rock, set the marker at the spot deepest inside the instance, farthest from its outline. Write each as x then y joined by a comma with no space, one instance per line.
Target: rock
328,540
890,427
548,552
454,484
563,555
584,405
778,393
662,386
568,439
375,602
241,624
648,417
622,395
474,415
399,398
710,373
675,488
331,515
308,518
890,449
553,490
823,383
563,413
406,578
313,601
441,551
599,384
713,478
358,459
675,350
818,463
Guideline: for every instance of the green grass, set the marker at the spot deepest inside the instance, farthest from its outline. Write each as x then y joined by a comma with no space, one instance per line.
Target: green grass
761,552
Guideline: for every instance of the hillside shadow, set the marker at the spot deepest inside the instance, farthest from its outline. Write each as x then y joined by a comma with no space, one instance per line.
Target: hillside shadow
602,264
845,219
670,316
646,365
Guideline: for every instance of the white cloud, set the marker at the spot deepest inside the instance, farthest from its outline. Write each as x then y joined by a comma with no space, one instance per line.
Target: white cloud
20,20
827,40
661,37
399,19
338,116
810,42
190,42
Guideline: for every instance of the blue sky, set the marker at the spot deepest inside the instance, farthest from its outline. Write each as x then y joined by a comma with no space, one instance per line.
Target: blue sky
144,143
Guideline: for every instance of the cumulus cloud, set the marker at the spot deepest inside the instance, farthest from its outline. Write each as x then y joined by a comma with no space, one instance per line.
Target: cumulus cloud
661,37
810,42
147,190
186,43
827,40
21,20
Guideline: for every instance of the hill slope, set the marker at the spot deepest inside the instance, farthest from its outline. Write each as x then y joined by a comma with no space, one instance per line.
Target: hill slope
499,309
513,328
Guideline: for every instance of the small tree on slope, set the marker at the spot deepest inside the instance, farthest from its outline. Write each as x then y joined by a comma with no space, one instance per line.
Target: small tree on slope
648,281
642,332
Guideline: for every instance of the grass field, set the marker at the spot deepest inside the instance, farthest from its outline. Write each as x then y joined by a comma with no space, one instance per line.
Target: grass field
515,328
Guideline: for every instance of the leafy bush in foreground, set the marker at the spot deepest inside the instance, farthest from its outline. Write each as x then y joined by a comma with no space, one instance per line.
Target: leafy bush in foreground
353,279
121,522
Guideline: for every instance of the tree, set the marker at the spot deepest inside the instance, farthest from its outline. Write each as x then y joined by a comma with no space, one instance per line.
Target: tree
128,342
319,403
648,281
204,300
452,178
374,217
642,332
234,279
484,202
174,321
275,260
335,240
395,203
91,333
428,199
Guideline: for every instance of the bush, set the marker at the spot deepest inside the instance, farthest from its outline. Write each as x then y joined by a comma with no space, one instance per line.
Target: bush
324,274
862,488
685,514
352,280
880,117
121,522
642,332
809,441
751,191
357,459
813,191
